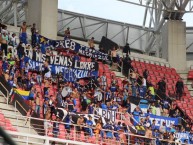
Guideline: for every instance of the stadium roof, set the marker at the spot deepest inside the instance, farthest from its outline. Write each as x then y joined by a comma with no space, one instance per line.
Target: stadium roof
138,12
146,16
135,21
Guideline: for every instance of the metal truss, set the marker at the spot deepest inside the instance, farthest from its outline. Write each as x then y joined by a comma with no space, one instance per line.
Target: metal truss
159,11
145,37
84,27
12,11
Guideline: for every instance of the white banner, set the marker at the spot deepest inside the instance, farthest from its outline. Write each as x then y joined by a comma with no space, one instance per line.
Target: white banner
107,114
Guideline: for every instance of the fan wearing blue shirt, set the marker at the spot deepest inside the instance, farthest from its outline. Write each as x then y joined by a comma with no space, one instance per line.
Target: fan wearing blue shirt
141,92
89,123
43,47
91,108
108,96
191,137
109,127
67,126
136,114
10,81
153,126
117,128
5,64
113,88
128,106
115,106
76,58
147,120
103,106
134,89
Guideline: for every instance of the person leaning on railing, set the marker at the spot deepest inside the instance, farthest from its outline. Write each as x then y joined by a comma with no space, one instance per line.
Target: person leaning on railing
98,129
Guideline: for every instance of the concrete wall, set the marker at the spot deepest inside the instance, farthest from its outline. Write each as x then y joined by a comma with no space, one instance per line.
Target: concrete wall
174,44
189,64
45,14
189,56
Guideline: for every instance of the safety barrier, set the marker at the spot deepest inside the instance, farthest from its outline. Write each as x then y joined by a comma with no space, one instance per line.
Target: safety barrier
72,136
7,92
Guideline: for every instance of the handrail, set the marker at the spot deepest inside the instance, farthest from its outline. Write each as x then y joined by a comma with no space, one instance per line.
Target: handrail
7,98
44,137
17,102
47,139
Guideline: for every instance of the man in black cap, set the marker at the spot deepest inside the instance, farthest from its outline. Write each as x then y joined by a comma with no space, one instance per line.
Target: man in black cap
126,65
127,49
161,88
33,35
179,88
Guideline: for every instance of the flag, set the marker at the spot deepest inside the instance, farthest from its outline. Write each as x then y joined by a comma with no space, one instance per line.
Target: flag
91,84
24,94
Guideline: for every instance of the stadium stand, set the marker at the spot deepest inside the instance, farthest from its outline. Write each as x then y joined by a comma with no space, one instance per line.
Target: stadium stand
190,74
107,78
54,94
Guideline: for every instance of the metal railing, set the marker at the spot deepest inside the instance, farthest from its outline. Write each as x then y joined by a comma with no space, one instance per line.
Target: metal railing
72,135
15,106
7,93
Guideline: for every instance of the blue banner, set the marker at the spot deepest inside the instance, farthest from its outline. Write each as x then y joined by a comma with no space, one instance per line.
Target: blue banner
183,136
74,46
70,74
160,119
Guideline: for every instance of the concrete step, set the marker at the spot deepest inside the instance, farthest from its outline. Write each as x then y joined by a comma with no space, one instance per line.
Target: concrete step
182,71
191,92
188,82
119,74
18,121
183,76
189,87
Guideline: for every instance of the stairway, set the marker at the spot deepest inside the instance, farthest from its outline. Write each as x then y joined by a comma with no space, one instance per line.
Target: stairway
18,121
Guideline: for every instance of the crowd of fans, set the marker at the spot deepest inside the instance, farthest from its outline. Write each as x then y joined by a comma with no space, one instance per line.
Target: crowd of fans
53,99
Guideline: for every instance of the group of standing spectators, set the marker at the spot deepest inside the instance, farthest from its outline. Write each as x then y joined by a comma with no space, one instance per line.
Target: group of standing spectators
53,100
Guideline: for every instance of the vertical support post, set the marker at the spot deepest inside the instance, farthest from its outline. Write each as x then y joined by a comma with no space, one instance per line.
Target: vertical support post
17,122
127,35
15,107
47,142
74,132
27,140
15,12
7,99
107,26
29,124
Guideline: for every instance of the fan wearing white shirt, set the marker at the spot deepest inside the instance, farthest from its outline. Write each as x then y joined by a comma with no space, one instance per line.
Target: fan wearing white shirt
26,68
98,95
103,81
13,40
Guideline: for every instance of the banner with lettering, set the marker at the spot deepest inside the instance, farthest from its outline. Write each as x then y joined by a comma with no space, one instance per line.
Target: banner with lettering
70,72
160,119
61,60
91,84
73,46
183,136
107,114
